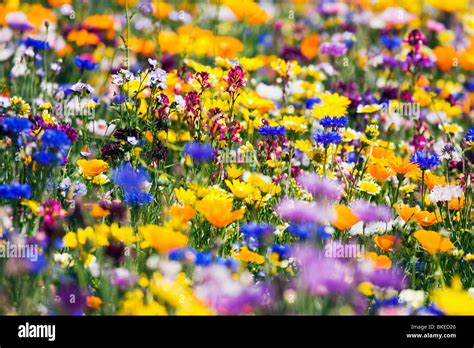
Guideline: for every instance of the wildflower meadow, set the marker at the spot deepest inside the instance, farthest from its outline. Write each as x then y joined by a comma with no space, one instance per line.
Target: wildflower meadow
247,157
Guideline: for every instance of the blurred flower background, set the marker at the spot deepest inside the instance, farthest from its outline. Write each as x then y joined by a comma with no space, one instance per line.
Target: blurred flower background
236,157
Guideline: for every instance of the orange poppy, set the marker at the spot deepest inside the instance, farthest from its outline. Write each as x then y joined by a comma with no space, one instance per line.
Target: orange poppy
379,172
310,46
345,217
161,9
98,212
38,15
93,167
380,261
403,166
406,212
219,213
248,256
445,57
162,239
83,37
433,242
387,241
457,203
431,180
185,213
426,218
93,302
380,152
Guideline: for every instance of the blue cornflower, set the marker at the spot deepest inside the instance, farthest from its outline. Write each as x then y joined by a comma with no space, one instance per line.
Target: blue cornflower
265,40
16,125
282,250
334,122
198,152
425,160
227,262
57,139
35,44
380,303
392,43
470,134
130,179
327,138
256,230
85,64
15,191
203,258
310,102
268,131
428,310
137,198
46,158
302,231
79,188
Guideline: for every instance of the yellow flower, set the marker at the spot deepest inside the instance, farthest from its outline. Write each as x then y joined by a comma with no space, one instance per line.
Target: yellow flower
454,300
179,295
100,179
449,6
332,105
263,183
185,197
294,123
233,172
284,68
451,128
369,187
21,107
248,256
92,168
70,240
368,109
441,105
134,304
123,234
251,64
162,239
240,189
47,117
366,288
34,206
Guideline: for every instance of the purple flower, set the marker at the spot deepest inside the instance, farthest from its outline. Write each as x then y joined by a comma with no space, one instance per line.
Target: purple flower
122,278
320,187
387,278
235,79
323,276
368,212
302,211
71,299
333,49
227,295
